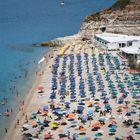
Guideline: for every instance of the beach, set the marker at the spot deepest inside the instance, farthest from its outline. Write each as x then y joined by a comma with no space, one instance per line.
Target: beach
85,94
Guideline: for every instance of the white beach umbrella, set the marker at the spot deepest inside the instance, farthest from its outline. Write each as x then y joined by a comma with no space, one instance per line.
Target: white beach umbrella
100,131
26,125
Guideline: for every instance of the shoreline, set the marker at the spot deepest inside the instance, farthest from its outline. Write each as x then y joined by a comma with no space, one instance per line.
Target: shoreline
19,115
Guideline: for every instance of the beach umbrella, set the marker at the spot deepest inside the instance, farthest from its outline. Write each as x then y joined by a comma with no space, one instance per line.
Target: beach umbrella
83,129
138,130
26,126
120,106
132,71
59,111
33,114
90,102
119,138
112,130
48,136
67,103
90,112
113,126
34,123
62,136
71,116
40,88
96,125
52,103
119,110
106,99
102,118
55,124
97,107
80,108
133,108
114,92
112,117
45,108
98,134
84,139
100,131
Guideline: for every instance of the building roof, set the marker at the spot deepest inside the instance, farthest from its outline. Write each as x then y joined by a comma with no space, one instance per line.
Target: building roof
130,50
112,38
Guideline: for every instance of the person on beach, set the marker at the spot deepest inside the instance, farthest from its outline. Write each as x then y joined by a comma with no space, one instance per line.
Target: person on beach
18,122
68,136
26,73
17,93
6,130
101,113
74,136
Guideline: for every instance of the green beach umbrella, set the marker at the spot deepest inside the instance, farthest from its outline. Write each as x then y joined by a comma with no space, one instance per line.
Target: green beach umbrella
98,134
112,130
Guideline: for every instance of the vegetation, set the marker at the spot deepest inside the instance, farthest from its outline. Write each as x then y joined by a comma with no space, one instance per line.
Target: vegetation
133,64
93,17
120,4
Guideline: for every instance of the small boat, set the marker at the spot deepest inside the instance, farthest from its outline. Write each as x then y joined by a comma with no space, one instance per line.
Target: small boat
2,103
62,3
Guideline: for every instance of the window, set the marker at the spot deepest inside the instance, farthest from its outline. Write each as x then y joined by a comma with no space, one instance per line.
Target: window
120,45
129,43
123,45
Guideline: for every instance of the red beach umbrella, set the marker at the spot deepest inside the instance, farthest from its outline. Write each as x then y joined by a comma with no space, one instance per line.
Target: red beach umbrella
133,71
71,116
48,136
40,87
96,125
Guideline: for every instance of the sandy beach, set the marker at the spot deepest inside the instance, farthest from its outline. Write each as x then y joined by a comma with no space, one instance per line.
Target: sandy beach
85,96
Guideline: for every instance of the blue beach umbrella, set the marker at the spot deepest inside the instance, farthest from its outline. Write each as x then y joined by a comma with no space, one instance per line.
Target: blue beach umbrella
67,103
84,139
45,108
80,108
59,111
90,112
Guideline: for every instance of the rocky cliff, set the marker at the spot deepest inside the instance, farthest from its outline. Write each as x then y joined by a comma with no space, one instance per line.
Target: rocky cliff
123,17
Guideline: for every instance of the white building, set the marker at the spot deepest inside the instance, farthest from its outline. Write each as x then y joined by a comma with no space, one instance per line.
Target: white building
110,41
129,46
132,51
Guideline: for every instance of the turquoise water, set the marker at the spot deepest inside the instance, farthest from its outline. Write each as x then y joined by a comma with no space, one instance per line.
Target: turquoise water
24,22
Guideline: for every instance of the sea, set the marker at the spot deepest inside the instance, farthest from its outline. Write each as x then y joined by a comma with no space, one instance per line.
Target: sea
23,23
